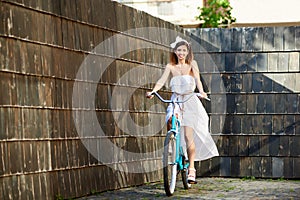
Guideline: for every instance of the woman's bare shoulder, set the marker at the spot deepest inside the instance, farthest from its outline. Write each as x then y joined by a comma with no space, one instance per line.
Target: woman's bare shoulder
170,66
194,63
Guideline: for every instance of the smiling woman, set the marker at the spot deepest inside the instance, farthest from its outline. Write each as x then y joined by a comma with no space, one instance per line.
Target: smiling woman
196,139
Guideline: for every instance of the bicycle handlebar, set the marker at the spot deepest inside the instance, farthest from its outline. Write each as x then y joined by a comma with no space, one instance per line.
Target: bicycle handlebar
172,101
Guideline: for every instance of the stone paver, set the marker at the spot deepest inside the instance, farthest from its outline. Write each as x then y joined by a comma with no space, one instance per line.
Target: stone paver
211,188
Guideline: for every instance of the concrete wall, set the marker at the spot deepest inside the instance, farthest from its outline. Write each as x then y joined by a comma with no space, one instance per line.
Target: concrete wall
258,128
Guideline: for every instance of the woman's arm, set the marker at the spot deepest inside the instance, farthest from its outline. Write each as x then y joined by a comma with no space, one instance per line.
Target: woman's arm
196,73
161,81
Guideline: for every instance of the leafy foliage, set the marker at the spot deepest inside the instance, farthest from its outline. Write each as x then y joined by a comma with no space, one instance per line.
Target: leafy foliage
216,13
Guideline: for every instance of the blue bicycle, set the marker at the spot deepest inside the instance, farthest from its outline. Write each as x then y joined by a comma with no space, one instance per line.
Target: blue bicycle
174,161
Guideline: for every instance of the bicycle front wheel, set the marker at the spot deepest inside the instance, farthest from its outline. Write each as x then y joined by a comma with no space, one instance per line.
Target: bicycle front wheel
184,175
169,164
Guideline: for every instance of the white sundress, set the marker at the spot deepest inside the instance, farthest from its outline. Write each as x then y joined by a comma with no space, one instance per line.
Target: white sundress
192,114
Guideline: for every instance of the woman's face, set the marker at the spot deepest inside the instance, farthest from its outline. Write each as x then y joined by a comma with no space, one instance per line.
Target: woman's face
181,52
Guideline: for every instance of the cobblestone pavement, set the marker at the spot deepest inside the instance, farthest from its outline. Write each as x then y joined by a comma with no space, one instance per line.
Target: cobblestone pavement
211,188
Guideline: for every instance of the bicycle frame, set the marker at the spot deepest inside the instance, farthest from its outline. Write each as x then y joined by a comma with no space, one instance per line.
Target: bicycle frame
179,151
175,128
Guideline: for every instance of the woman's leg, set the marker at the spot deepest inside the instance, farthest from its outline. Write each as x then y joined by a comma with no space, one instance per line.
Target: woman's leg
189,139
169,123
190,144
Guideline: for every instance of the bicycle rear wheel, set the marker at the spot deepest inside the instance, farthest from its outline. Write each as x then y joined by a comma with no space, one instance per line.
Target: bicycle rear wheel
184,175
169,164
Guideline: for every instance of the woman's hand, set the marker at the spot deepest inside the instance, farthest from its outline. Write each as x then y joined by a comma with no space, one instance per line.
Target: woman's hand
202,95
149,95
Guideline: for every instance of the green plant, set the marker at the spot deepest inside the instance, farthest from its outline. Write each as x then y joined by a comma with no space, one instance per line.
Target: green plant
216,13
281,179
252,178
59,197
221,195
229,188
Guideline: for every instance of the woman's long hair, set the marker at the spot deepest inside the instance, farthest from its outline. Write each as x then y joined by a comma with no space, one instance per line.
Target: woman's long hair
189,57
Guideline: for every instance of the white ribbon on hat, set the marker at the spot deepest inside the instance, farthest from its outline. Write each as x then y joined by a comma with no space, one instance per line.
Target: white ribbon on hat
178,39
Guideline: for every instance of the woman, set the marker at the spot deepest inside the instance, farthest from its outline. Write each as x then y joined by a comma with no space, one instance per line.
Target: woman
197,142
